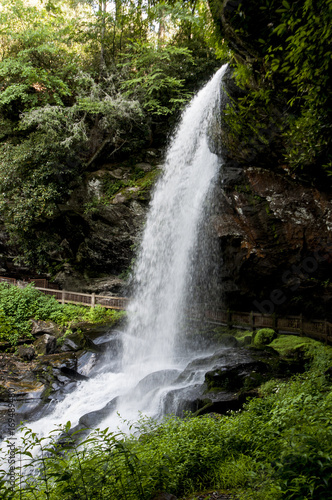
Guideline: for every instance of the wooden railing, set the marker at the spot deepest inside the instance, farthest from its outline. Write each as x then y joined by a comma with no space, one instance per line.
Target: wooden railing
65,297
86,299
316,329
297,325
38,282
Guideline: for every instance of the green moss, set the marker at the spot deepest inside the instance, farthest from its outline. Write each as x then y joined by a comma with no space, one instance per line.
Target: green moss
287,344
138,179
264,336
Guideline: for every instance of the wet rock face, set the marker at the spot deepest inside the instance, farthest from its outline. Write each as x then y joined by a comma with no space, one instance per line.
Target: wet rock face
224,380
275,237
43,373
46,344
26,353
274,228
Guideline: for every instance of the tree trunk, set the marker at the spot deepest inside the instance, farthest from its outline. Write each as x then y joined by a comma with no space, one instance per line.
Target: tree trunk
161,30
102,10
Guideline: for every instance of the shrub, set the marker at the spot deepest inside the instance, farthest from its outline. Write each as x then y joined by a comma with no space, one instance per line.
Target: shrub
264,336
19,305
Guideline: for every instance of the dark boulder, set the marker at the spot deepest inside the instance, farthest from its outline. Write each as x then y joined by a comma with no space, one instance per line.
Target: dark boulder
46,344
26,353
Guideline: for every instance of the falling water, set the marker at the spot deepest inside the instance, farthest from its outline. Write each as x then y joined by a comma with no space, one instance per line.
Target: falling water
164,265
162,276
163,268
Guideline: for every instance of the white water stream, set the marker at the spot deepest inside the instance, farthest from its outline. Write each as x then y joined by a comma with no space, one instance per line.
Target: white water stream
162,275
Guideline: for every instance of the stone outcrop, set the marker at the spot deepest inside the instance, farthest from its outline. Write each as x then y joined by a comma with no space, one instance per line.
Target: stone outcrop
97,229
46,344
275,237
43,373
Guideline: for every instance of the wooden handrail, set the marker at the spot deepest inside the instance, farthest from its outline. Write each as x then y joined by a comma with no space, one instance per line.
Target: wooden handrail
87,299
317,329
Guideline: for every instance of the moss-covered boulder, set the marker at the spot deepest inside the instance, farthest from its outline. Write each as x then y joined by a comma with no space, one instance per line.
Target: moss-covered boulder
264,336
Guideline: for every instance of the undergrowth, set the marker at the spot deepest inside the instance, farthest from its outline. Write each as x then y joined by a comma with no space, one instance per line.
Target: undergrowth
19,305
278,447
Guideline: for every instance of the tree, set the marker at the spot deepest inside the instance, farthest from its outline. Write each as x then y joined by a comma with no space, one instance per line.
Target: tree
78,79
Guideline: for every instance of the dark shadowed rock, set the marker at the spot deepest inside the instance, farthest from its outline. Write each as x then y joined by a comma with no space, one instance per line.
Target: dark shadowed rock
228,341
164,496
46,344
59,360
94,418
77,341
26,353
73,374
236,377
156,379
86,423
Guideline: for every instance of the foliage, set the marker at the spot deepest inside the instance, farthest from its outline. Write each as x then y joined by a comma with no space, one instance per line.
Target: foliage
278,447
264,336
284,70
303,58
82,85
159,89
38,62
19,305
9,330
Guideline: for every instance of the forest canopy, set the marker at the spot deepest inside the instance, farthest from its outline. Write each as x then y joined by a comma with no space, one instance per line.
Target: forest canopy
88,82
85,81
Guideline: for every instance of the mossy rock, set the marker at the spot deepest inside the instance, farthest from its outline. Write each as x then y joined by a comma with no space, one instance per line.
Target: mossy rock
4,393
235,378
244,341
263,351
264,336
294,346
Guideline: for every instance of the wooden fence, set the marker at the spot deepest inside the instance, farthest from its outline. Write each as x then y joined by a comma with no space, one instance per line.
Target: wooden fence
297,325
65,297
86,299
39,282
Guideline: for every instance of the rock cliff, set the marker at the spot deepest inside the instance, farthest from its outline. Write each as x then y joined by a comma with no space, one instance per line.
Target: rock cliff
273,223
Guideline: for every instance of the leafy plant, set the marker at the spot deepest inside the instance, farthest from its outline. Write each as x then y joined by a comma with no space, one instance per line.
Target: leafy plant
19,305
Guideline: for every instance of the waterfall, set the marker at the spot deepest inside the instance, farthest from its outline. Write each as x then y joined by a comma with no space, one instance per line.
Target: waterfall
164,261
162,277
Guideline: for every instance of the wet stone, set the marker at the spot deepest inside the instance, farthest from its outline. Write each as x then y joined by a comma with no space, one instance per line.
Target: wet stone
46,344
26,353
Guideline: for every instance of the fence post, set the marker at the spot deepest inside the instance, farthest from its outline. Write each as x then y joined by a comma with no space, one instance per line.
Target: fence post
252,321
62,297
275,322
93,300
229,319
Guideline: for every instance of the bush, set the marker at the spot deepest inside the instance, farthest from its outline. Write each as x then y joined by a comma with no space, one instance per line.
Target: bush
264,336
19,305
